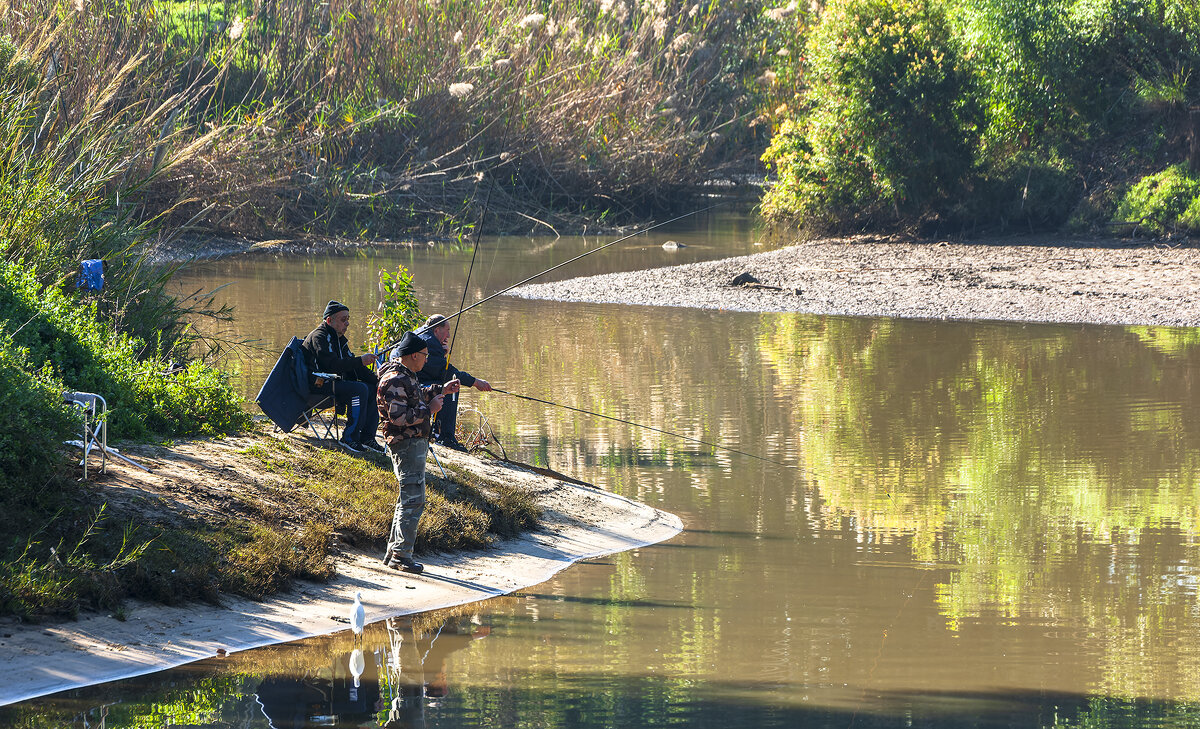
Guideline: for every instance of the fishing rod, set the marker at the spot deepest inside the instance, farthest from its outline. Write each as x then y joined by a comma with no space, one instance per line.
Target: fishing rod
474,251
560,265
646,427
487,201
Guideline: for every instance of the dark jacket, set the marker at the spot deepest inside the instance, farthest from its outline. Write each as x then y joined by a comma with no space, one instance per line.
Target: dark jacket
404,403
435,370
327,351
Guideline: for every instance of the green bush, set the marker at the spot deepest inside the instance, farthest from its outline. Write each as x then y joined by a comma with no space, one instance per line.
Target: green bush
1005,113
398,312
33,422
62,337
890,124
1166,202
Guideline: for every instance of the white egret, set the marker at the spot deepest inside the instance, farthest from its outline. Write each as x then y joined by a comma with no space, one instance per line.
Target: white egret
358,616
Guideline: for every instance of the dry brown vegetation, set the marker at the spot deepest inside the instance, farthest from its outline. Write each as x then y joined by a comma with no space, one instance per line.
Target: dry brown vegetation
376,117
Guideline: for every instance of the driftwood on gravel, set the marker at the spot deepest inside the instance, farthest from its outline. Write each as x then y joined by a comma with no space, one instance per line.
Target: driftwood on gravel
746,280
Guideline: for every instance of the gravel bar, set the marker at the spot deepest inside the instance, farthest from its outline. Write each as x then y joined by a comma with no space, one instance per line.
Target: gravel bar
1088,282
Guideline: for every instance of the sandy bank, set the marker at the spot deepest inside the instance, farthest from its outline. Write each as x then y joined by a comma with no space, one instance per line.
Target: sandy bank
579,522
1100,282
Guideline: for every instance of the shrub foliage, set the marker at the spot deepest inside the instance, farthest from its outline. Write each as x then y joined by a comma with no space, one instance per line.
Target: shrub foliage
889,120
1166,202
983,115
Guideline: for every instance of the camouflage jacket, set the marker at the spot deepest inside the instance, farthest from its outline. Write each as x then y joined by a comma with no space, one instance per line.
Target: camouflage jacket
404,404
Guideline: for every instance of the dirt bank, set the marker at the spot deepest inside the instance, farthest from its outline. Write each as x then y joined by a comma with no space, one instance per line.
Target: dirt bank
197,477
1099,282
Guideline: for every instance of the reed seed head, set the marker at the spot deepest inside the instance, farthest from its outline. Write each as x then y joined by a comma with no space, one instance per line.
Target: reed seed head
780,13
681,41
531,21
460,90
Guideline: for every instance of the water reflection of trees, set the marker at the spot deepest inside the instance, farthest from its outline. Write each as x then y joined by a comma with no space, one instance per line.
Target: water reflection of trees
1056,470
1050,472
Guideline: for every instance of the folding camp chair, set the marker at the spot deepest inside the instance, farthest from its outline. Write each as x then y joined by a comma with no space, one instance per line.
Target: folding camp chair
321,417
93,412
288,400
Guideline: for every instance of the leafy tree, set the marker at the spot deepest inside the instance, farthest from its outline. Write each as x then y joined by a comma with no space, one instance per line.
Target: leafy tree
890,122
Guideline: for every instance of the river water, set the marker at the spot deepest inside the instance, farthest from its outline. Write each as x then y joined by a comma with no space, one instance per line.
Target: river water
955,524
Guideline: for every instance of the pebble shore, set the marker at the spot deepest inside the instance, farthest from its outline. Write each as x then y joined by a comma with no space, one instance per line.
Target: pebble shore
1076,282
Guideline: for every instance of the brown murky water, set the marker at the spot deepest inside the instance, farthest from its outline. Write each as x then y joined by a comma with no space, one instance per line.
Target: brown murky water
977,524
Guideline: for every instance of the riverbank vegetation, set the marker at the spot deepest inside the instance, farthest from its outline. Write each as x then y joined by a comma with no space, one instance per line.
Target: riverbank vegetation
124,123
384,117
250,514
951,117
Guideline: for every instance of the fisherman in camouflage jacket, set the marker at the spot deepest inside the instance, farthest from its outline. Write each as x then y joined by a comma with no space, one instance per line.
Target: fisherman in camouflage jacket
406,409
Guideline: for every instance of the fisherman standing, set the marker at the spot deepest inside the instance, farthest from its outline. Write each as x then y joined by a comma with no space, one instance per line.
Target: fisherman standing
436,333
327,352
407,409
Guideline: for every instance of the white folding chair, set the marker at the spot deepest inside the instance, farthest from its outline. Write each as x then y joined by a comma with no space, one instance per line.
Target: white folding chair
94,413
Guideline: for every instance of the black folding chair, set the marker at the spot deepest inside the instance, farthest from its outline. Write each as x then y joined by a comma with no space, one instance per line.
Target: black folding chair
288,400
322,417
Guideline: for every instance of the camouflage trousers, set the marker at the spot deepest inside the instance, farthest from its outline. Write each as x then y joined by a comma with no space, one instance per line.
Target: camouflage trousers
408,461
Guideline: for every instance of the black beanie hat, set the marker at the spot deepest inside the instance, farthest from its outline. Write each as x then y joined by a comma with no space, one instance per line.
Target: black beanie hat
334,307
410,343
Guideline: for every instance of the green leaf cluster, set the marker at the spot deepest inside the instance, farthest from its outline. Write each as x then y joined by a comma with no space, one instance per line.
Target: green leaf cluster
1164,202
890,119
398,312
59,336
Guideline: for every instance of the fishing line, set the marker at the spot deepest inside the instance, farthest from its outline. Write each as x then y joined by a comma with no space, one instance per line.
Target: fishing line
646,427
392,345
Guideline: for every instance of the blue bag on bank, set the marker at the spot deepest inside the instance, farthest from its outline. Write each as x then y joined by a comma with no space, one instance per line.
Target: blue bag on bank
91,275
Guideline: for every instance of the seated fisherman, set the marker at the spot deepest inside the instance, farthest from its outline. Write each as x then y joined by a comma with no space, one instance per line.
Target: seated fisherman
327,352
436,333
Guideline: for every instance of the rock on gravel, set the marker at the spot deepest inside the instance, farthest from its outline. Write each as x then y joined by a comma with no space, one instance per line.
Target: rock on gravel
1092,282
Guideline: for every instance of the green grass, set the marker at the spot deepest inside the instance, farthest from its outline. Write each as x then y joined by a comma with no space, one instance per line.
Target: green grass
356,498
93,554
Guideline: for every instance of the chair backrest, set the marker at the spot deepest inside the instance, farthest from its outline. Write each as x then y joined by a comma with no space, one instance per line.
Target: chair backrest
300,367
285,394
85,400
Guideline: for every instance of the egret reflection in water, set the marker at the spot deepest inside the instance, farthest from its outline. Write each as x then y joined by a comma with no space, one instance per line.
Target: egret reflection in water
390,682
